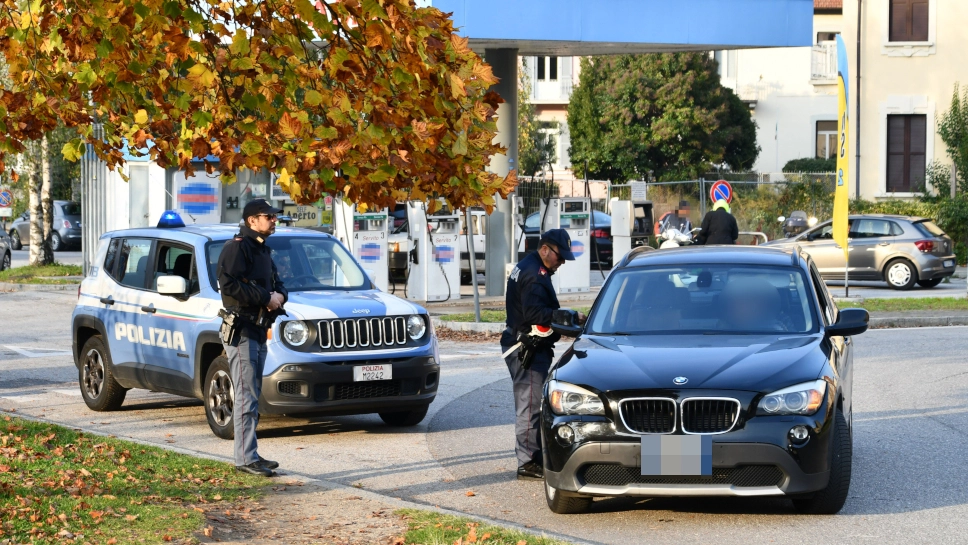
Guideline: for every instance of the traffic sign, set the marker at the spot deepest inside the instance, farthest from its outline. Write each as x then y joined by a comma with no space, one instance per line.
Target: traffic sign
721,190
6,198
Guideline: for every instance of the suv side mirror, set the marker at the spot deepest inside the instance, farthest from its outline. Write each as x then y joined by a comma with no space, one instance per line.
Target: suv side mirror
564,322
172,285
850,321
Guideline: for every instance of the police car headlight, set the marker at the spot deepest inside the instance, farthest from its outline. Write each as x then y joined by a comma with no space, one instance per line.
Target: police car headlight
566,398
803,398
296,333
416,327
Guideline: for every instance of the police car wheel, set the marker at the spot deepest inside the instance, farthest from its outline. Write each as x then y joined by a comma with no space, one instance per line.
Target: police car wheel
564,505
220,398
405,419
98,387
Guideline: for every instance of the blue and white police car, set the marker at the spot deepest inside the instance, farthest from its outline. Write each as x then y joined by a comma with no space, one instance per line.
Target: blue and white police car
147,317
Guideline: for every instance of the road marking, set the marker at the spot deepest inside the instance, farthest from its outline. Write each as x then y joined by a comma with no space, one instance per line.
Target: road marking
38,352
73,393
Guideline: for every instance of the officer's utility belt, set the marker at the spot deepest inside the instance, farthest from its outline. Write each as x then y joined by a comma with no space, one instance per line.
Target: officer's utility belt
231,329
530,343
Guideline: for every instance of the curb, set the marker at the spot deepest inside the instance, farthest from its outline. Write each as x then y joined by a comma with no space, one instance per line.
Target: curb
11,287
398,503
918,321
474,327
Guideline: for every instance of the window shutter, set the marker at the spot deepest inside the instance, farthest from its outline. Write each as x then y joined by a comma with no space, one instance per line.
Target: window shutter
899,12
916,155
566,69
919,20
906,152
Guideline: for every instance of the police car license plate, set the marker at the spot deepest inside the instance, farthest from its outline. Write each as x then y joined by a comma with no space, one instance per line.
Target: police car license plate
949,263
363,373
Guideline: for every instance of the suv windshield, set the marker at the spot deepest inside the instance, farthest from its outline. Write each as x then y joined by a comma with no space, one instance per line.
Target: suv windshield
305,263
710,299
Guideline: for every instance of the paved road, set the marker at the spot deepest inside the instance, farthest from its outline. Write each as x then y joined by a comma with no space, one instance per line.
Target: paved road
911,434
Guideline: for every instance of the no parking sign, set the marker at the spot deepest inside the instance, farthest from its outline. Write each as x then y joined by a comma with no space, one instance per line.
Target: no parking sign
6,201
721,190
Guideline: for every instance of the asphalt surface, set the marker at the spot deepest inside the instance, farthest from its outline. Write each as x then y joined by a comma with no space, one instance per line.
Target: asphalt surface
911,433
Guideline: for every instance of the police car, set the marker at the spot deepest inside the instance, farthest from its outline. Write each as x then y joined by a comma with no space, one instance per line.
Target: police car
147,317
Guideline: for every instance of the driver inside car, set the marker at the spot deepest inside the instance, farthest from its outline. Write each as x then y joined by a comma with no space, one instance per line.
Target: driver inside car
752,304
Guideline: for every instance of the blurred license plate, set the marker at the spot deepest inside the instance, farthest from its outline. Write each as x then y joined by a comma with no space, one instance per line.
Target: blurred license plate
677,455
363,373
949,263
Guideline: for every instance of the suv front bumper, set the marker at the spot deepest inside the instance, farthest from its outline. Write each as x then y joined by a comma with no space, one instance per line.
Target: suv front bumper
329,388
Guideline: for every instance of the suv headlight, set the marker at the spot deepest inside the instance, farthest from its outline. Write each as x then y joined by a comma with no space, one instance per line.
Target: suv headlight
296,333
566,398
416,327
800,399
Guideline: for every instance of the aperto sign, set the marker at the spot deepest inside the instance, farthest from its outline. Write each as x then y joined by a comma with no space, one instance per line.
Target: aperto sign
303,216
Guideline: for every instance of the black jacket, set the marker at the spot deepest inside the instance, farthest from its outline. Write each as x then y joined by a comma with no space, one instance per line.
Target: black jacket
530,298
718,227
246,276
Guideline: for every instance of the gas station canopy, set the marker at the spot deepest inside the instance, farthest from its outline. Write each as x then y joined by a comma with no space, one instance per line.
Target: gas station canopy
608,27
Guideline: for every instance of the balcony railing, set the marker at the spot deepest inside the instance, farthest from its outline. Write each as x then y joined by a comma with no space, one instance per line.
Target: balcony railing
823,65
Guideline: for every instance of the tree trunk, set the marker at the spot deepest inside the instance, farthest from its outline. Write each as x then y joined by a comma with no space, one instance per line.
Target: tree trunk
36,209
46,201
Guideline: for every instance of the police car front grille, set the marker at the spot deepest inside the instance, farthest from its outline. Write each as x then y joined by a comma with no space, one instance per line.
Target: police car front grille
743,476
363,390
362,333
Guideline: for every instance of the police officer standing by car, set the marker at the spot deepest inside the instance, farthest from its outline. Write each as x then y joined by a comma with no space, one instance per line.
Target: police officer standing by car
253,295
530,301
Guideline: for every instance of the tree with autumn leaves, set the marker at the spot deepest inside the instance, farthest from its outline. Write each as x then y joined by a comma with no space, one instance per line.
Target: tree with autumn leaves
376,99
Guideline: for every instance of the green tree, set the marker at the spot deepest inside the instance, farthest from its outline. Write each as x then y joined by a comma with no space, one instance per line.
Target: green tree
536,149
953,130
664,113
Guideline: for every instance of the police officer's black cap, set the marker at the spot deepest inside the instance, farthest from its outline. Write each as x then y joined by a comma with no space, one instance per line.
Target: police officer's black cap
560,238
258,206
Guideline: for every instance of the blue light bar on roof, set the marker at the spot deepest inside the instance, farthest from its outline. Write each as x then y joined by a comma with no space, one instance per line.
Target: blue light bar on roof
170,219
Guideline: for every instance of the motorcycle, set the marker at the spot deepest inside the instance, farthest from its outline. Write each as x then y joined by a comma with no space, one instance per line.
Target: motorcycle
674,238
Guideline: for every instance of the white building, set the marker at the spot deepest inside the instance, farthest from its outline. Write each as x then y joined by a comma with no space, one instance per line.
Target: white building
791,91
552,80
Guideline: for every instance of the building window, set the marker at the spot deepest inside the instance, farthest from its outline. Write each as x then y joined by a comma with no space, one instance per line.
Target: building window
827,37
906,151
909,21
826,139
547,68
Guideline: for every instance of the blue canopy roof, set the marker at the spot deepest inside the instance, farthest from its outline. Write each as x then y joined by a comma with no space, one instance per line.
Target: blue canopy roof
602,27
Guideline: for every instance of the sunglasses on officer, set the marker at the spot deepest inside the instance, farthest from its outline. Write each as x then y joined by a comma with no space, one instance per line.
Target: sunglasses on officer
270,217
560,259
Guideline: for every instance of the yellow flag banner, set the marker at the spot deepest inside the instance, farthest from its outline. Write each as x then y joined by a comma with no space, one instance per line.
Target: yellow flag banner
841,195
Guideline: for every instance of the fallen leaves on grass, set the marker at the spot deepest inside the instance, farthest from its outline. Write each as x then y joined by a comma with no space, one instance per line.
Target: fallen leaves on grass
446,334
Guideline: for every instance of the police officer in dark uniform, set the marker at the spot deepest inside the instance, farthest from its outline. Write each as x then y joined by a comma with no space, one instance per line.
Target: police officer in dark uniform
531,300
250,288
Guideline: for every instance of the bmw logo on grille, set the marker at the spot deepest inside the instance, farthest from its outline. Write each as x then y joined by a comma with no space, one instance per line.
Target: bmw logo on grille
679,381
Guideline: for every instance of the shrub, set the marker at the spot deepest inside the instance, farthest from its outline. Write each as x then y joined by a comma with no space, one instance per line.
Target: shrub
811,164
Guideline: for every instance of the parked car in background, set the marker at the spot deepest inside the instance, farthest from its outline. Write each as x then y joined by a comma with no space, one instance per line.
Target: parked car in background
4,252
900,250
67,227
601,231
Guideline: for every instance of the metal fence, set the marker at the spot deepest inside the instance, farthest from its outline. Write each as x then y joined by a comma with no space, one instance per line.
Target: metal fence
531,191
759,198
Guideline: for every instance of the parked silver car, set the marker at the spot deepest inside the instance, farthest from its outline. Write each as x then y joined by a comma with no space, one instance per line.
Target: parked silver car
900,250
67,227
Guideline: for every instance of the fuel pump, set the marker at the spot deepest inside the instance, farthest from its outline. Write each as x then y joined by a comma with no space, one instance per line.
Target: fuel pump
365,236
623,223
370,245
572,215
434,257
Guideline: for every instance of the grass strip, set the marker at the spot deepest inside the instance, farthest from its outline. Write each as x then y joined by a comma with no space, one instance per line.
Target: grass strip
903,304
490,316
431,528
60,486
42,274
